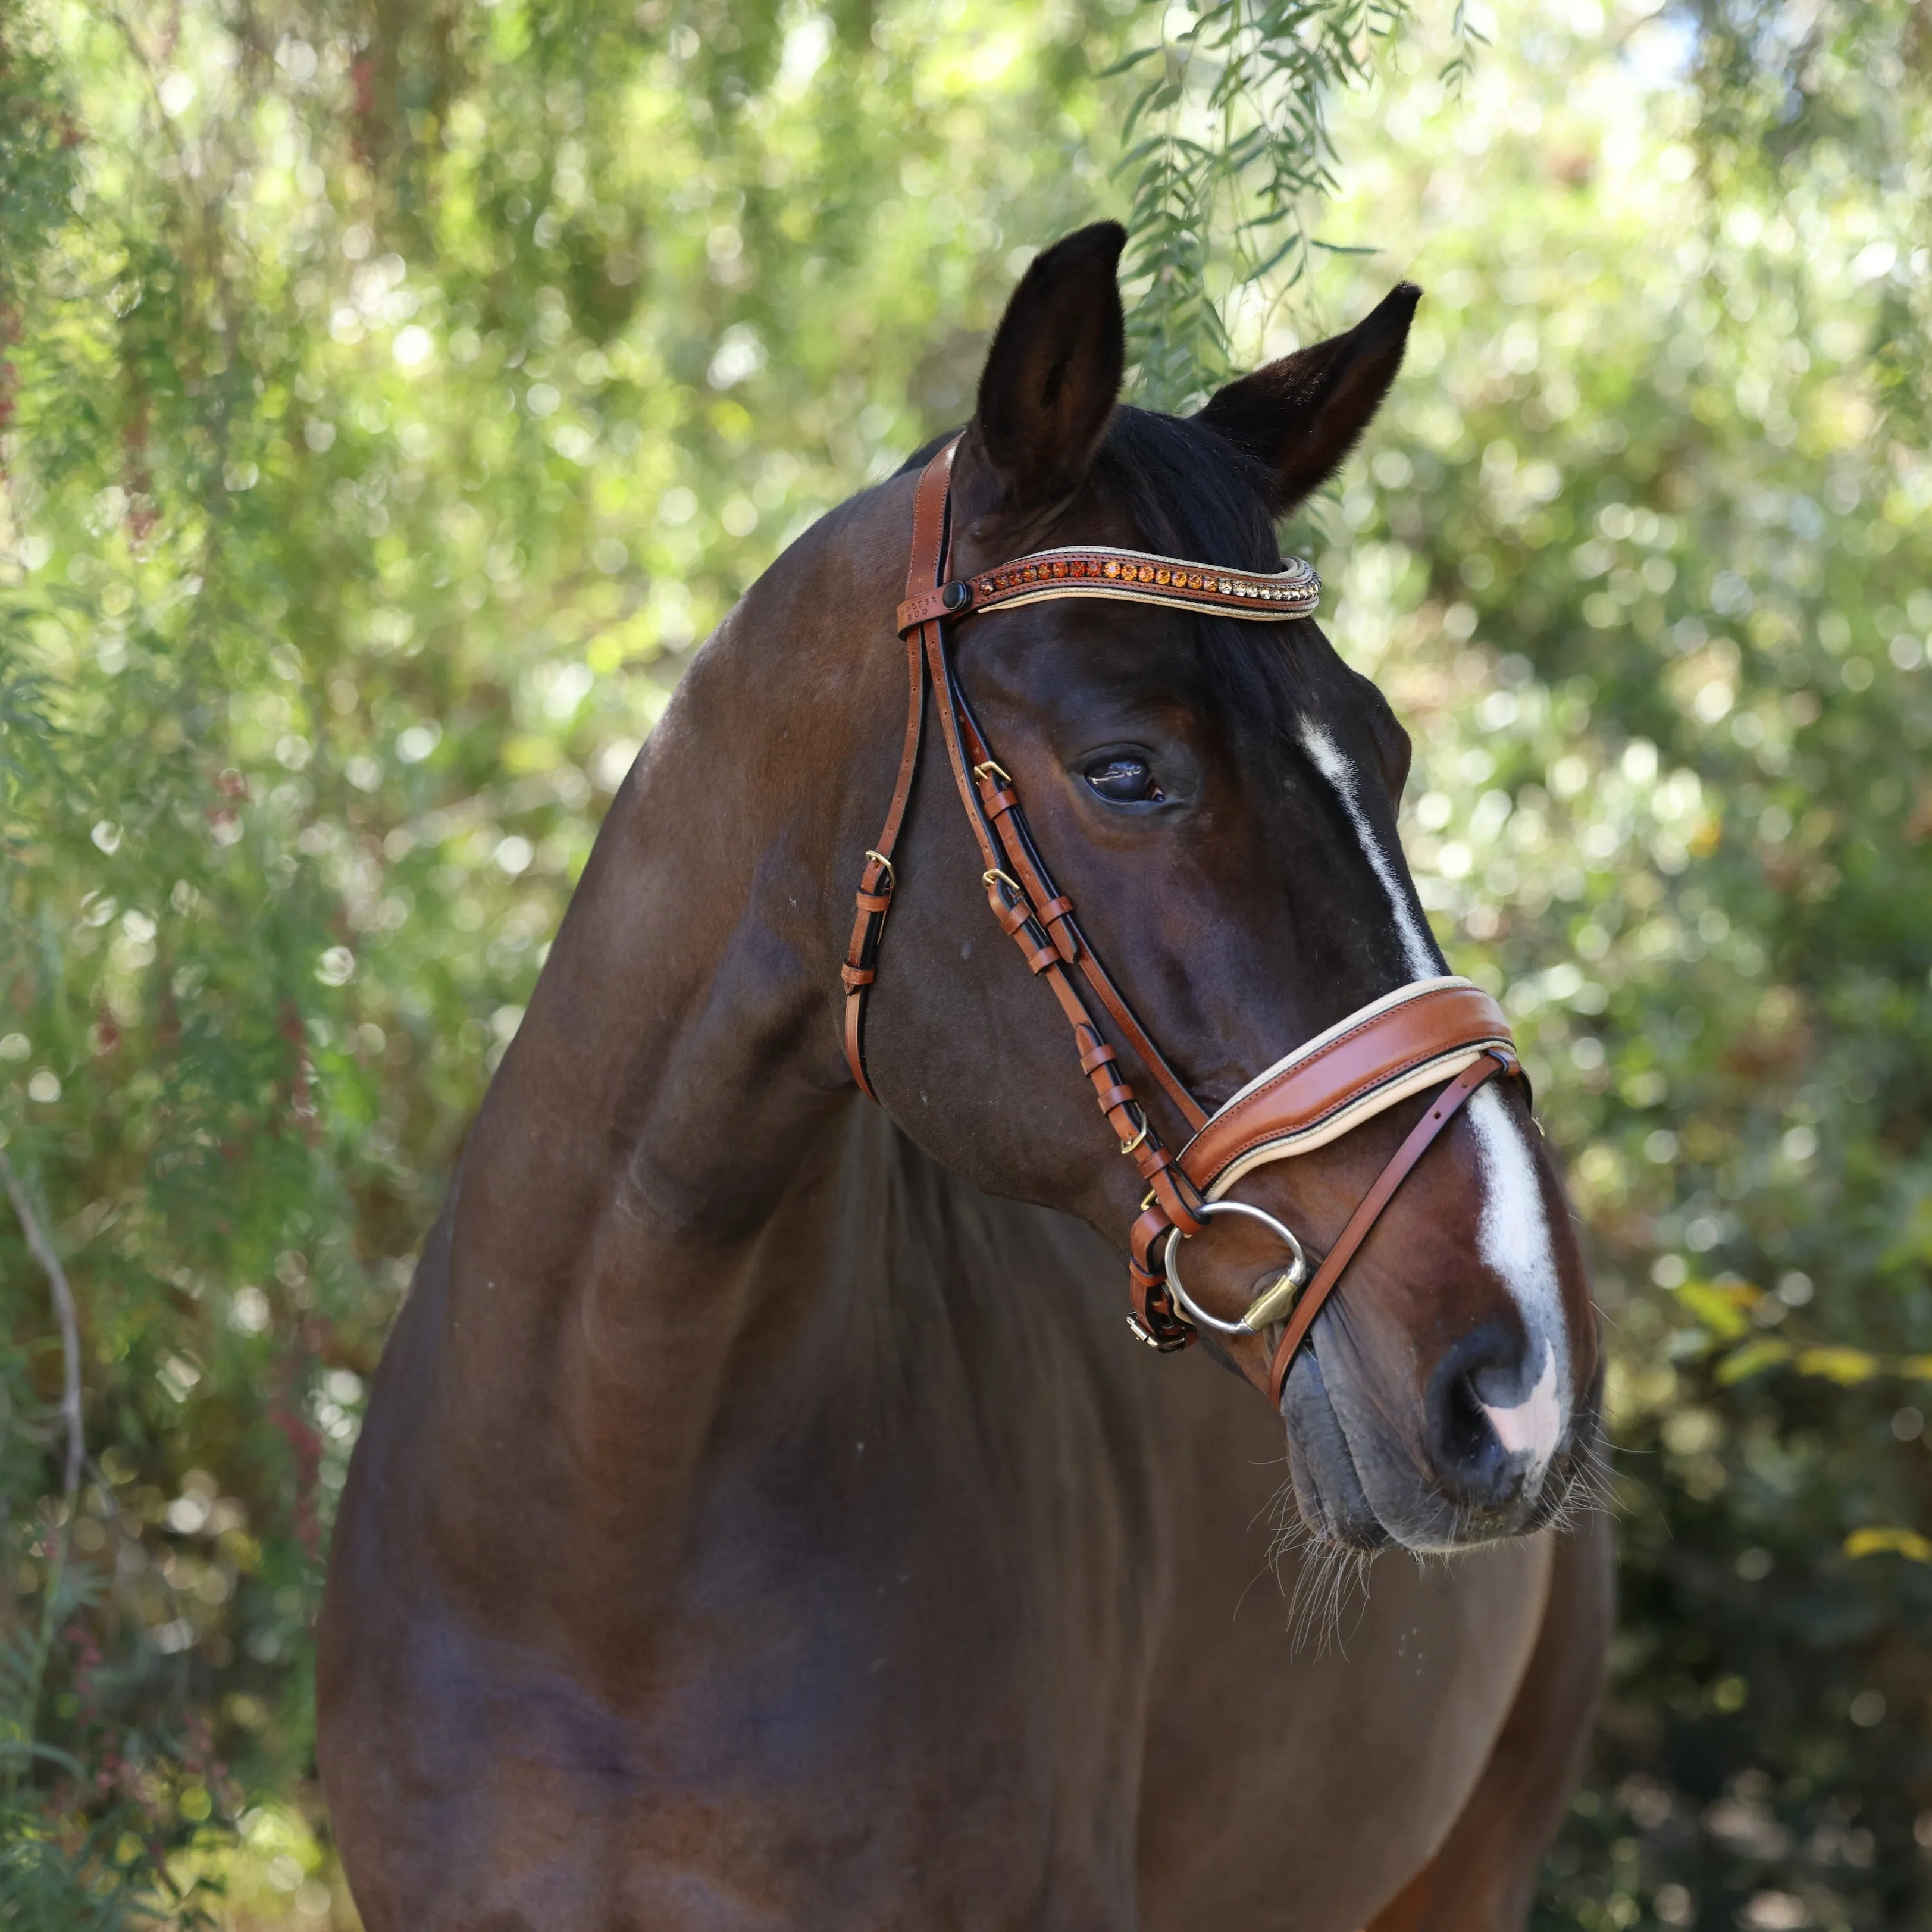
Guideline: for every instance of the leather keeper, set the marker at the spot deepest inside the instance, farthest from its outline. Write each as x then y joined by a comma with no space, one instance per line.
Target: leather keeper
1157,1317
1152,1224
1166,1177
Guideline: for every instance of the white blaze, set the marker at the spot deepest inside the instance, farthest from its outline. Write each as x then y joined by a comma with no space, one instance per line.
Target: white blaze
1512,1235
1424,962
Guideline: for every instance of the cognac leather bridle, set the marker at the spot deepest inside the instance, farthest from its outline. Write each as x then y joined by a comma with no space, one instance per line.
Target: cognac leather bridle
1418,1037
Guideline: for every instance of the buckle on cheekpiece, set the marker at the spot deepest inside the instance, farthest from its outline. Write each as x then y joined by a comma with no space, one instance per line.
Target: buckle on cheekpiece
1172,1344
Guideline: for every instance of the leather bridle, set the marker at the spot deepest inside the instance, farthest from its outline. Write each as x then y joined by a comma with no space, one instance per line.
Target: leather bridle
1418,1037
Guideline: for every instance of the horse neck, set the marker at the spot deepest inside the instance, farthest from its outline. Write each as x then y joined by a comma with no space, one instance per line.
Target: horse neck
675,1224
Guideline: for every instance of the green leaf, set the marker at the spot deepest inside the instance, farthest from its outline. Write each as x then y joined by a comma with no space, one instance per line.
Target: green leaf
1847,1366
1722,1307
1889,1542
1752,1359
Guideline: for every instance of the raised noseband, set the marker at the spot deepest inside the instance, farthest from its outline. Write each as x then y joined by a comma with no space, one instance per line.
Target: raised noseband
1404,1043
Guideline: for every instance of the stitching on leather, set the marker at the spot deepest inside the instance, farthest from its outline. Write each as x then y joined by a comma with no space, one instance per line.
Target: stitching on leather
1261,1137
1321,1053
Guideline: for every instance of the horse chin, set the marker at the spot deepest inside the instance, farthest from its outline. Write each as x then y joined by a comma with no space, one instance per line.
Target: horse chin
1328,1490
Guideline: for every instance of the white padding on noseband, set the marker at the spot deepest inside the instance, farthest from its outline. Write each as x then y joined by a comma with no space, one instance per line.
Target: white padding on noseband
1374,1010
1363,1106
1379,1099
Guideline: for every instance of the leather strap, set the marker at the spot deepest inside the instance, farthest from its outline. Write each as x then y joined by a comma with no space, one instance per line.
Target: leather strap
878,880
1000,802
1411,1039
1414,1039
1421,1137
1028,907
1127,576
1019,916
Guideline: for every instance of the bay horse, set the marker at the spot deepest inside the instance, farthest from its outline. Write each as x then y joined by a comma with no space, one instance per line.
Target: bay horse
764,1516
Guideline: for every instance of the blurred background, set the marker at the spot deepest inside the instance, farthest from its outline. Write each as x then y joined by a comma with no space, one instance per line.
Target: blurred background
393,393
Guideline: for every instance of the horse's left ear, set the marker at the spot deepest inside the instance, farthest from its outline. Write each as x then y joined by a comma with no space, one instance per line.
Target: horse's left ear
1301,416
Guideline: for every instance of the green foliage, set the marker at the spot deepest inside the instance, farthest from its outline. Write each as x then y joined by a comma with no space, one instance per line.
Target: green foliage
1226,151
1643,560
399,394
104,1876
391,397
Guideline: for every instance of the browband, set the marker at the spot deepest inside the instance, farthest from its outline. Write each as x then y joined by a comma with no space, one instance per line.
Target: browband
1129,577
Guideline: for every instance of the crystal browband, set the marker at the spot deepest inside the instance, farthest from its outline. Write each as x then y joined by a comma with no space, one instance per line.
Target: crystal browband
1130,576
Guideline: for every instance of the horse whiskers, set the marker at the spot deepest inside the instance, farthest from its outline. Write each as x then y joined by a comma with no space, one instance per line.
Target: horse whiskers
1272,1508
1593,1482
1279,1509
1589,1487
1286,1528
1329,1570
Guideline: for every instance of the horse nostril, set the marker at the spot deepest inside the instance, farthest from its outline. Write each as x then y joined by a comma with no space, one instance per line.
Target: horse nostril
1472,1461
1466,1438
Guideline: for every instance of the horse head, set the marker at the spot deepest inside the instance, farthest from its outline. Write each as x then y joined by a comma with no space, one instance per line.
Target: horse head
1218,797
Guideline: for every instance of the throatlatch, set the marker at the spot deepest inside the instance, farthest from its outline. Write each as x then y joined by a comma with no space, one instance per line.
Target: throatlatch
1417,1037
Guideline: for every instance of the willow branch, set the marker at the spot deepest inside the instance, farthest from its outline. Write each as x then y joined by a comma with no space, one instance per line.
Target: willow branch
43,1252
61,1537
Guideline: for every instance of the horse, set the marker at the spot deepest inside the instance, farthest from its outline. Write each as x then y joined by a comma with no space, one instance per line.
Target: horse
764,1515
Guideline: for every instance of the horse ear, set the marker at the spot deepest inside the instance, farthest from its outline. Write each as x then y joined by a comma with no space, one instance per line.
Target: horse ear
1054,371
1301,416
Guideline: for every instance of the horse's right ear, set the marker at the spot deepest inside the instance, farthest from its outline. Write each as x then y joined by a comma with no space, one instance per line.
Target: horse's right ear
1300,416
1054,371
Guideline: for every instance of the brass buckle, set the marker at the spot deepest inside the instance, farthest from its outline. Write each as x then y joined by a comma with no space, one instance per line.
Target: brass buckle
990,771
1172,1344
881,860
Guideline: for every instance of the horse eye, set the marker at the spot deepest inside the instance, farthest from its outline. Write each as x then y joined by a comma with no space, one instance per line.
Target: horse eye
1124,780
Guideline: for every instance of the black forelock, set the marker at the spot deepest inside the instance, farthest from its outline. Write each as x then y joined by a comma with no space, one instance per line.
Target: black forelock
1191,493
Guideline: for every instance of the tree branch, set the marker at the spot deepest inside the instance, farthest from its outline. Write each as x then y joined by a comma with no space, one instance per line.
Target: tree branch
43,1252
